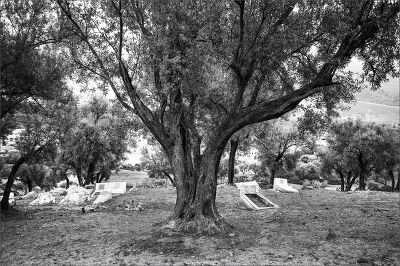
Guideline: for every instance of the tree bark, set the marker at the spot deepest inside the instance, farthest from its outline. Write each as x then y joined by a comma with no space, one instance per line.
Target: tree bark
4,204
391,175
78,171
170,178
67,181
275,167
29,183
195,209
104,174
362,179
341,175
232,155
90,173
350,181
363,169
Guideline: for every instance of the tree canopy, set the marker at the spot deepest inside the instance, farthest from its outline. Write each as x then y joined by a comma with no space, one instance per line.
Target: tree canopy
233,63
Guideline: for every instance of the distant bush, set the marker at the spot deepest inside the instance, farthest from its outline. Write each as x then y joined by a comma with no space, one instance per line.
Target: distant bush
131,167
308,167
291,178
244,178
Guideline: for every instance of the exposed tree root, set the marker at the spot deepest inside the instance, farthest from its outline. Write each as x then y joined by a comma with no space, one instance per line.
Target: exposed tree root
204,225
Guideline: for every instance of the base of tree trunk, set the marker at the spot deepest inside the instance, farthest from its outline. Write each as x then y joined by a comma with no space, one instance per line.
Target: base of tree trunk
203,225
9,210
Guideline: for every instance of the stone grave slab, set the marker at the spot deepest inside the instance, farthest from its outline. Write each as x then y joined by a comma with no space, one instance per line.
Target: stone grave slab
113,187
250,195
281,184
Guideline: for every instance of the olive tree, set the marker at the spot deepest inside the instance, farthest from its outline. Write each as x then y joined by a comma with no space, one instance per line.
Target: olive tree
235,63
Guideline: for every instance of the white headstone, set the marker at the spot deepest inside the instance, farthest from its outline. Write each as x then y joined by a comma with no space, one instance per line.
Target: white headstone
248,187
113,187
281,184
103,197
11,198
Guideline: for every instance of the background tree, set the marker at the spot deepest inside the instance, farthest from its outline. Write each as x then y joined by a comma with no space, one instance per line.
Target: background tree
27,28
357,143
273,141
239,141
156,164
161,58
99,140
42,125
387,158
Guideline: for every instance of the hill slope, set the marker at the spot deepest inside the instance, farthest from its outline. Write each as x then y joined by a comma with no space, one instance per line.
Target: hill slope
387,95
373,112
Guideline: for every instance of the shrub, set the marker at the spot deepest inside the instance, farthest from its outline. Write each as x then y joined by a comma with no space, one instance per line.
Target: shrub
308,167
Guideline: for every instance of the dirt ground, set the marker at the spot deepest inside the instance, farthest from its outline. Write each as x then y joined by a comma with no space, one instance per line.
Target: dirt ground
313,227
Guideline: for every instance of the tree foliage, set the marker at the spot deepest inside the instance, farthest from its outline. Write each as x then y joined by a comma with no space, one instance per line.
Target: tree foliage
356,149
43,123
235,63
30,64
98,141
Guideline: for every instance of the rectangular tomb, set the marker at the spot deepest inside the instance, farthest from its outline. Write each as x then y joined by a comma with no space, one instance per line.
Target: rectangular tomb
113,187
252,198
281,184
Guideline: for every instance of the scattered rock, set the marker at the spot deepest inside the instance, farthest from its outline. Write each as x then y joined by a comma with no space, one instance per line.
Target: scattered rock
130,206
43,199
32,194
58,191
331,235
75,196
290,257
103,197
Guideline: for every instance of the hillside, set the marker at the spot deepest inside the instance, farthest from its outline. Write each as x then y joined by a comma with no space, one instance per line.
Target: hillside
387,95
372,112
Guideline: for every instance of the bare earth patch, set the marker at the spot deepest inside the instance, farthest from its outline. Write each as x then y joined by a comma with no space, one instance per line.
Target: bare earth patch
313,227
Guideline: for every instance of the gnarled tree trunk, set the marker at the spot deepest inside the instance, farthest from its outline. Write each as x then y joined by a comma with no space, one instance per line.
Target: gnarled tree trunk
350,181
4,204
341,175
90,177
391,175
231,163
196,184
78,171
363,171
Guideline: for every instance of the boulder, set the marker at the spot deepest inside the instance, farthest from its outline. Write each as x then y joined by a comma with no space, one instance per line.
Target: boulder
58,191
103,197
37,189
44,199
32,194
75,196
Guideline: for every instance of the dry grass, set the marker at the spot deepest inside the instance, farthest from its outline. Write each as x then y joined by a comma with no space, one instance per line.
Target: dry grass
362,227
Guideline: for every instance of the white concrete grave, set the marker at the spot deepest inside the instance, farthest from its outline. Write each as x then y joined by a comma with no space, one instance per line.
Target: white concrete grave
103,197
252,198
11,199
113,187
281,184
